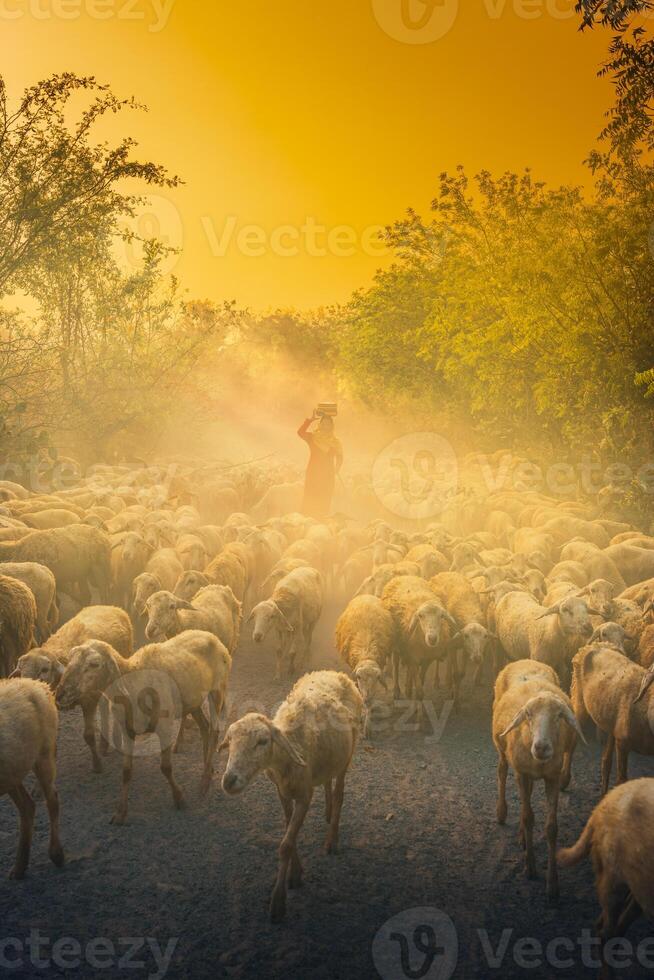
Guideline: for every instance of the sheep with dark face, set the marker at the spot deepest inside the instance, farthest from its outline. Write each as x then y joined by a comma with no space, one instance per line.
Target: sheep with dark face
424,629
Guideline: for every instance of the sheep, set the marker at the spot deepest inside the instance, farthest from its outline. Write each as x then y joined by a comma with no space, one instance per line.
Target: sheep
129,555
191,552
535,732
597,563
424,629
17,622
365,638
635,564
614,635
309,742
214,609
28,743
47,663
472,640
161,573
293,610
430,561
278,572
619,836
188,584
550,635
48,518
355,570
76,555
646,648
229,568
43,586
176,676
612,691
641,593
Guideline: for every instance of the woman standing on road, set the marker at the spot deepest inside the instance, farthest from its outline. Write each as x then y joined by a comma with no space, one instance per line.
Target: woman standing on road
325,461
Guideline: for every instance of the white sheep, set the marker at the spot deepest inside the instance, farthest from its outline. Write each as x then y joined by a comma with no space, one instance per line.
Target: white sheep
309,743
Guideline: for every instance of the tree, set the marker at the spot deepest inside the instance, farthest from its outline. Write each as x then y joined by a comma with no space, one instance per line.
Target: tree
56,184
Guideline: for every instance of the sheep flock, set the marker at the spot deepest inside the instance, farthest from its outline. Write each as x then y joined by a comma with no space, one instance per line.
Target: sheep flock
133,593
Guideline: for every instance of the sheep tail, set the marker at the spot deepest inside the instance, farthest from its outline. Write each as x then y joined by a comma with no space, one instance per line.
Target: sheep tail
567,857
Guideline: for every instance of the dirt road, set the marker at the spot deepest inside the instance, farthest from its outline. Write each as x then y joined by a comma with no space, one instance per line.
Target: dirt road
185,893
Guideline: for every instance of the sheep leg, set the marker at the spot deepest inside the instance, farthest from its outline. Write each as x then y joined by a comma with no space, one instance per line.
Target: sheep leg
25,806
551,831
44,769
215,707
120,816
286,848
180,734
632,912
526,786
328,801
105,726
607,763
88,712
167,770
295,870
397,694
331,843
502,772
622,761
419,678
615,907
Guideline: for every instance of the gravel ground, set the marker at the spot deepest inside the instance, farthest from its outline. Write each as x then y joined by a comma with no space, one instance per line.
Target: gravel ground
185,893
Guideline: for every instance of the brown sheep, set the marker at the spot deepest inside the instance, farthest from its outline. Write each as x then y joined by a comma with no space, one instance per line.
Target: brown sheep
620,838
17,622
42,583
535,732
47,663
365,638
612,691
28,743
182,672
77,555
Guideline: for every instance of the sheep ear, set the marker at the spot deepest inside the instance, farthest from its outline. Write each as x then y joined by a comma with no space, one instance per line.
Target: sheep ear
15,673
223,745
451,620
413,624
552,611
595,612
571,719
183,604
645,685
517,721
284,744
455,640
382,681
583,591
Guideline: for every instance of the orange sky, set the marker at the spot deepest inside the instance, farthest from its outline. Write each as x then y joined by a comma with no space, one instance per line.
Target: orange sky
326,110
